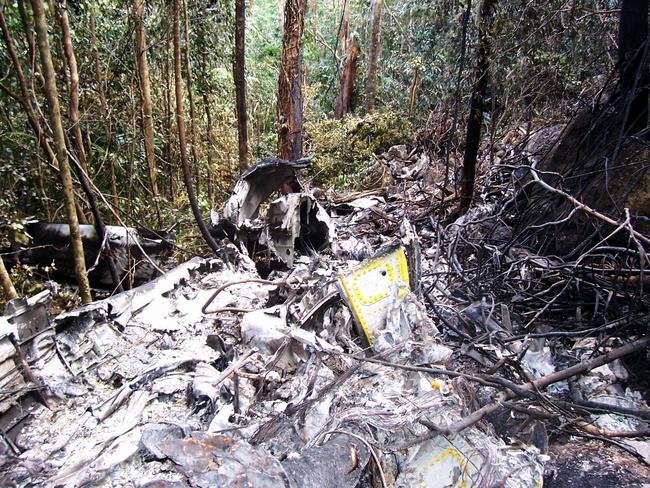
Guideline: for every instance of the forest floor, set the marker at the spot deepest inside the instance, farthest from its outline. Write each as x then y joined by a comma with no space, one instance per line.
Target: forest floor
406,347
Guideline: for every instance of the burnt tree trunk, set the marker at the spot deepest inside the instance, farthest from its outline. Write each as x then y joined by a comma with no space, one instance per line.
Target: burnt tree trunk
375,35
344,100
180,123
290,101
479,91
633,85
104,247
52,96
239,74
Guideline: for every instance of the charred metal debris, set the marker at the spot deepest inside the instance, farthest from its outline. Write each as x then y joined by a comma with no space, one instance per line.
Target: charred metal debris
381,348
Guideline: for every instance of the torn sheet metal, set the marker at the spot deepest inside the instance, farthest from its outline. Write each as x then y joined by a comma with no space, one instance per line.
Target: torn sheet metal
12,383
297,222
258,183
209,460
294,223
373,287
29,315
411,243
122,306
338,463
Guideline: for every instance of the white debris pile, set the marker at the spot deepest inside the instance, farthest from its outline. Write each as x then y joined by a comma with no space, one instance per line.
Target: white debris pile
352,365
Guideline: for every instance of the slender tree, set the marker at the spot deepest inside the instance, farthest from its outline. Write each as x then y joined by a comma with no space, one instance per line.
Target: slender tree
239,74
479,91
190,95
169,114
25,98
29,32
106,122
208,146
375,34
82,167
145,93
52,96
7,285
73,80
290,100
345,26
343,33
414,88
180,125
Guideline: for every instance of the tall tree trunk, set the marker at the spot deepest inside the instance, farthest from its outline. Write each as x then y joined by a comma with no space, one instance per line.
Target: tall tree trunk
190,94
51,94
239,74
344,99
7,285
104,110
73,109
475,119
25,97
145,93
29,32
180,125
634,80
375,35
208,147
290,101
345,26
169,117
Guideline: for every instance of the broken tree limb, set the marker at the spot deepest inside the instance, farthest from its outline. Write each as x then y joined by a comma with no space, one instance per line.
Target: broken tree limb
598,407
584,208
542,383
234,366
592,429
28,373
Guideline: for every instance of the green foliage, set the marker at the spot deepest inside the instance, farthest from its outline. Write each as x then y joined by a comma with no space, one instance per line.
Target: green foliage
345,150
545,57
28,280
